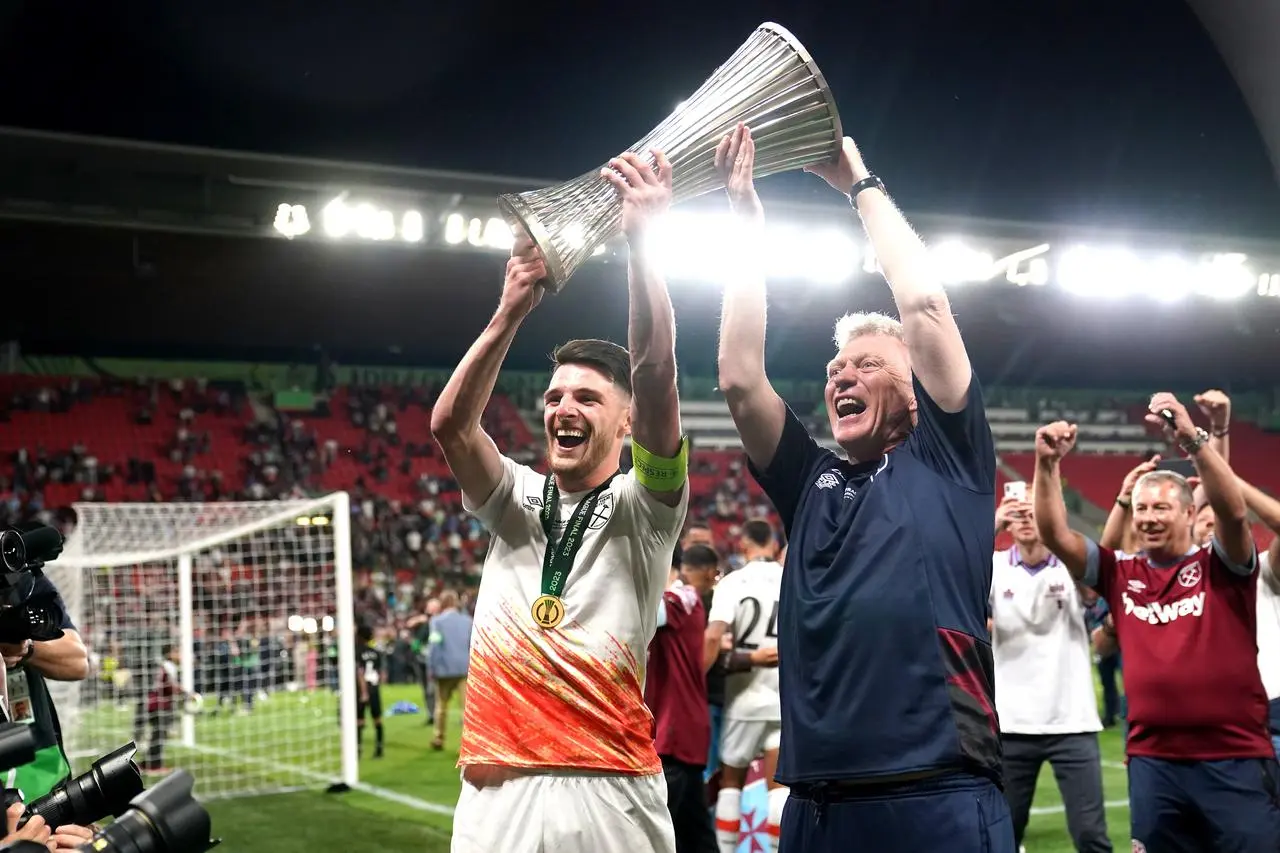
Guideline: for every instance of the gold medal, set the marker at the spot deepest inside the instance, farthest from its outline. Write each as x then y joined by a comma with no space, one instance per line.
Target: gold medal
548,611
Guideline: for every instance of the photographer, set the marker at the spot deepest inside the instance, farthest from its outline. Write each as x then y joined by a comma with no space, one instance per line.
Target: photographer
30,663
61,839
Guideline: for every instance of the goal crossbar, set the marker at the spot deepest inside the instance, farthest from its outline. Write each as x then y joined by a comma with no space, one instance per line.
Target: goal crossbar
228,521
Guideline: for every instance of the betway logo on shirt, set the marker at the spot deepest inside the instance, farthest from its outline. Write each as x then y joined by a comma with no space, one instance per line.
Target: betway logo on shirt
1163,614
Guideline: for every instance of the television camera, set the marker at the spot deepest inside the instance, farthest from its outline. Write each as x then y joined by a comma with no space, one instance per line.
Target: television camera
25,616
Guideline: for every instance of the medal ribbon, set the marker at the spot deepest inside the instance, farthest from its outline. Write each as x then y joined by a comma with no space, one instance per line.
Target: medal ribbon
559,557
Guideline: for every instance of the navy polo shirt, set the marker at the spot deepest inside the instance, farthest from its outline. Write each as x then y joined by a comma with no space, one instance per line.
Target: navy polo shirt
885,662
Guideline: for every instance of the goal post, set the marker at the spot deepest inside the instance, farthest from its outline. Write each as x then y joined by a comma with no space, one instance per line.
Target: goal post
247,605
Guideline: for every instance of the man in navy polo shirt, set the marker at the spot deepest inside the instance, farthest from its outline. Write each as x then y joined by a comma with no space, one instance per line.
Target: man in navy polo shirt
889,733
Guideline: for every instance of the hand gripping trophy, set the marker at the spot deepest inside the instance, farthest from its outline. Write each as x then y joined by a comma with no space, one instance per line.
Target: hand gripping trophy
770,84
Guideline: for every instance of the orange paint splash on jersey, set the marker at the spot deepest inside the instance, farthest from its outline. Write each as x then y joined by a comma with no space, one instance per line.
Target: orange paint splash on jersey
564,698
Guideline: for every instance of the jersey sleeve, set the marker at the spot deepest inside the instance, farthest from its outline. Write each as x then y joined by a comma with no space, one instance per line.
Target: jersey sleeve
1246,570
790,469
652,517
724,602
957,445
678,605
504,494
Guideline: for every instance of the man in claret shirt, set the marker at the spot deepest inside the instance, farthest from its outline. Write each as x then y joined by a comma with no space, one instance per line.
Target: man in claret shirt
886,682
1202,770
676,692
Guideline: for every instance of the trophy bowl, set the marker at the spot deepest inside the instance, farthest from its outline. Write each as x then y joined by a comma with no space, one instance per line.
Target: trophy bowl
770,83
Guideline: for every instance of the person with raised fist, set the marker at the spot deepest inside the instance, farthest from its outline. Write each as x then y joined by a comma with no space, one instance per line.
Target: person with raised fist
1202,768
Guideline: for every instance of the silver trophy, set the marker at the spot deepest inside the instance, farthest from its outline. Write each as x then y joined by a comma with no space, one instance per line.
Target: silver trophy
770,83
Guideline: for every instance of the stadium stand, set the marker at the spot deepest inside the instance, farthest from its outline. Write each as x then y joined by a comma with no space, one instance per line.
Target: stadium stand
73,438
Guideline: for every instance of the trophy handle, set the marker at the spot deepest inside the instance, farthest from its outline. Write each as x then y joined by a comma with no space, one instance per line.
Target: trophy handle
520,217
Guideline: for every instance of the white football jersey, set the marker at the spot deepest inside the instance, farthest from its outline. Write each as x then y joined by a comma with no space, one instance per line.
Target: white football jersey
570,697
747,601
1269,626
1042,649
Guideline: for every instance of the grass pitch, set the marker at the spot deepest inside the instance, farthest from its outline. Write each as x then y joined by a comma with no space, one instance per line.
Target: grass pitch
313,820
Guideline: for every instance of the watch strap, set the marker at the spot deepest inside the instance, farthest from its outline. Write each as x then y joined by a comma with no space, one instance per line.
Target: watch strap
870,182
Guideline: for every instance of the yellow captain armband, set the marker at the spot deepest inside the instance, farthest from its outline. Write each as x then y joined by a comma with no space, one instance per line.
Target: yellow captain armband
659,474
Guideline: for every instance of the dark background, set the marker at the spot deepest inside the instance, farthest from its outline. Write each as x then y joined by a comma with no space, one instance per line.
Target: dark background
1087,112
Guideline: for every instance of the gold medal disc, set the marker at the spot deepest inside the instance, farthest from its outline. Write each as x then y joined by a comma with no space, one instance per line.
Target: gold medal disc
548,611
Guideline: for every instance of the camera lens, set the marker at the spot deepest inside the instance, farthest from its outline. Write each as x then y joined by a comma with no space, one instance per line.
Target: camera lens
13,550
104,791
165,819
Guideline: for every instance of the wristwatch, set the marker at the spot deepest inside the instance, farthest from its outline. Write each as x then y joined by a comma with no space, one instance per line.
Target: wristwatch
868,183
27,652
1192,446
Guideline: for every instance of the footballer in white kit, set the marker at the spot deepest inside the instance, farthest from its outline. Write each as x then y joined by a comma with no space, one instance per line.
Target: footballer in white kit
745,605
557,744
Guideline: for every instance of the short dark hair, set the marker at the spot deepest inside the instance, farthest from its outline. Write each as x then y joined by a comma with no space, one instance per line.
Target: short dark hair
758,531
613,361
700,556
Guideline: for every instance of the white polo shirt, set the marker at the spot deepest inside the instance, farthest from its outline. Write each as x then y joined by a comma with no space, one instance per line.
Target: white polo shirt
1042,649
1268,626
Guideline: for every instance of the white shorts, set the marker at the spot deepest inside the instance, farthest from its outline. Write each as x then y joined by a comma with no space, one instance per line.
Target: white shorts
743,741
565,813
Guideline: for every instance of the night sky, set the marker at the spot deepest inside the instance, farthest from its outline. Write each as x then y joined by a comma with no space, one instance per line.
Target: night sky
1086,111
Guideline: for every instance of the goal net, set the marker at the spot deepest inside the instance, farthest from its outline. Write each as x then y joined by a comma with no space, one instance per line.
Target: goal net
249,607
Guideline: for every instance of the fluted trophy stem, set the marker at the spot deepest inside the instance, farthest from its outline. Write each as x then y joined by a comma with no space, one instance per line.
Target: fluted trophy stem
771,84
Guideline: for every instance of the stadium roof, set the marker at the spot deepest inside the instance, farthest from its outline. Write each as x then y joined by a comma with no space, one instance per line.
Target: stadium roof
172,273
90,180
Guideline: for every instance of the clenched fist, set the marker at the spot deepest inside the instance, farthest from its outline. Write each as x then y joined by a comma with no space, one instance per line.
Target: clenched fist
1216,406
1055,440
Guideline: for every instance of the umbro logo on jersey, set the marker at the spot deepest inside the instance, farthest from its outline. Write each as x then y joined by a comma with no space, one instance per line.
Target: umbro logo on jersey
829,480
1163,614
1136,586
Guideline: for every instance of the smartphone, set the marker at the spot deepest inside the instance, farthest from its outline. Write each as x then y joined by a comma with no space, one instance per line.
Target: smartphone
1185,467
1016,490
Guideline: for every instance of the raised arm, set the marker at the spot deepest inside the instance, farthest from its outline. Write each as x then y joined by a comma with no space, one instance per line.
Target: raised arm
651,330
1221,488
938,356
757,410
455,419
1052,443
1216,406
1115,532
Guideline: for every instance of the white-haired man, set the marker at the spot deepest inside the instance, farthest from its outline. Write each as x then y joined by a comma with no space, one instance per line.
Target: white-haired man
557,743
889,732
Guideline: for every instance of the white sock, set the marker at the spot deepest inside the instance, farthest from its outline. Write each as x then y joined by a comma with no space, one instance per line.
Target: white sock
728,819
777,802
